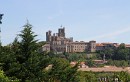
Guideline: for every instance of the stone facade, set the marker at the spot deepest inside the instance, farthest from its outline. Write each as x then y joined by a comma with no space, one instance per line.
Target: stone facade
46,47
81,46
103,46
59,43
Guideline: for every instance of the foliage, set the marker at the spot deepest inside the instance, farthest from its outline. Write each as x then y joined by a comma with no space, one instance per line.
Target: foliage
85,77
118,63
108,53
90,63
3,78
41,43
99,77
77,57
122,76
21,58
122,53
61,71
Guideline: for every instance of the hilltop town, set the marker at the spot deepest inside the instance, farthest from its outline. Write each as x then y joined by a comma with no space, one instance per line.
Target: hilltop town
60,59
59,43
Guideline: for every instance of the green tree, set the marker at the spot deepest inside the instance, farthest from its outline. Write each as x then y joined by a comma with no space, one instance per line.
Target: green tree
23,60
3,78
108,53
61,71
122,53
6,58
90,63
76,57
28,57
85,77
118,63
122,76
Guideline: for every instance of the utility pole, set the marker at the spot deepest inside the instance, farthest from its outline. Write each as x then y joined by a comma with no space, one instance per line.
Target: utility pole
0,30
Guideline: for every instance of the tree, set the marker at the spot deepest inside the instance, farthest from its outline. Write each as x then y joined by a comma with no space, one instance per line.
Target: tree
122,76
28,56
90,63
28,45
76,57
83,76
3,78
6,58
108,53
21,58
122,53
61,71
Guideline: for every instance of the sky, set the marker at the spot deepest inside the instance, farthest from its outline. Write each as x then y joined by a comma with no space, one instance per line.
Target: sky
84,20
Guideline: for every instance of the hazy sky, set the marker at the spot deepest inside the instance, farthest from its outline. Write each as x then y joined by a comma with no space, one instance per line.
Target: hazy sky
84,20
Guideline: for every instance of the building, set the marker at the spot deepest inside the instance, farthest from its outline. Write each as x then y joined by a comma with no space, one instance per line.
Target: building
81,46
127,45
103,46
59,43
46,47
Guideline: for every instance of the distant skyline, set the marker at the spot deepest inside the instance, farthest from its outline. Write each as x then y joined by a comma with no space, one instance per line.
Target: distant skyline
84,20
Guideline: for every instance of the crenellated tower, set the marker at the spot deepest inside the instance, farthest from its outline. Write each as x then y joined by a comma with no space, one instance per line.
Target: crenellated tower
48,36
61,32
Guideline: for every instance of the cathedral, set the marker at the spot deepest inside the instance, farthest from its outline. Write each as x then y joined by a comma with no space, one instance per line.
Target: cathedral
58,42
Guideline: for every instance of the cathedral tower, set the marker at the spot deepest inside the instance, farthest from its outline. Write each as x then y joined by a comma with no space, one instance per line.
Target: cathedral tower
48,36
61,32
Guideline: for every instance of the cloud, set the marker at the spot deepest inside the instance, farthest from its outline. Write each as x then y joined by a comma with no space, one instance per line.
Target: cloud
111,35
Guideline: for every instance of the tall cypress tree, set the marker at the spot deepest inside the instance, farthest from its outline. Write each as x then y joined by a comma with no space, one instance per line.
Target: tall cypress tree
27,56
28,43
22,59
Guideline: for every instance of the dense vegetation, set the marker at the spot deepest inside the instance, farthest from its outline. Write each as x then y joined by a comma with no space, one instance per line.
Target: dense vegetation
116,56
21,61
120,53
102,77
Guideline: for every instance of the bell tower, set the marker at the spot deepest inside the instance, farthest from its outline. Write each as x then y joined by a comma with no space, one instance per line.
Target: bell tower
61,32
48,36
